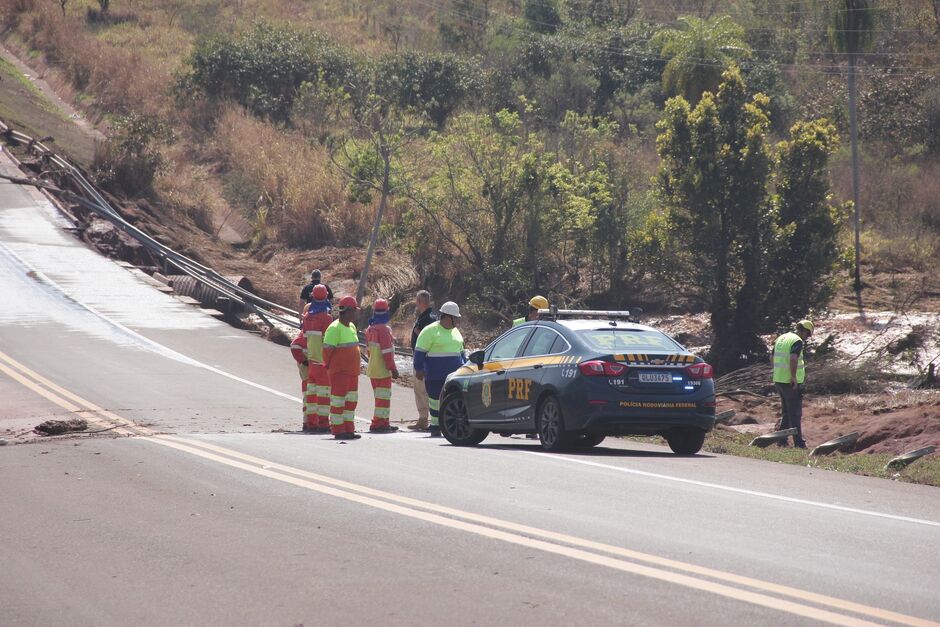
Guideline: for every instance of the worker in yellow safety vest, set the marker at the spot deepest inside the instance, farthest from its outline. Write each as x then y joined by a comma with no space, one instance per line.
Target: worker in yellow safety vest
535,303
789,377
439,352
341,358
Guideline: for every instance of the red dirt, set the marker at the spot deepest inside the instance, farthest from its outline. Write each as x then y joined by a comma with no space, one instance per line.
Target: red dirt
894,430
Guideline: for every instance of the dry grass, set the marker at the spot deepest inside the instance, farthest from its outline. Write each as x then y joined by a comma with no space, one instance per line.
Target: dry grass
288,183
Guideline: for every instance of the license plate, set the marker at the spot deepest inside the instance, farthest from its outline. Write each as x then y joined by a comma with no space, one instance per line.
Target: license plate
655,377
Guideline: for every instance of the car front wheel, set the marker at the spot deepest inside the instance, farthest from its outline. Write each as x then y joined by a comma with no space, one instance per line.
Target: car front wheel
551,424
685,440
455,423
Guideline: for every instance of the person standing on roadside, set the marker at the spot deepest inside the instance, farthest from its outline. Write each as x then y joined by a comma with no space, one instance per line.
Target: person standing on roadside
306,294
298,351
424,316
789,377
438,352
341,358
316,320
382,368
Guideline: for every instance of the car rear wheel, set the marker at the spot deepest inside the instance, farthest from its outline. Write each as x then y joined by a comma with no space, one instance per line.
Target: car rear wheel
455,423
685,440
551,425
589,440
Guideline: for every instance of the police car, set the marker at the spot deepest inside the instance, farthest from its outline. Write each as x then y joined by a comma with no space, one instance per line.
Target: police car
575,377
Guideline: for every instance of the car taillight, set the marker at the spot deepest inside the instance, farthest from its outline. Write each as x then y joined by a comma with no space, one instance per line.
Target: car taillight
598,368
700,371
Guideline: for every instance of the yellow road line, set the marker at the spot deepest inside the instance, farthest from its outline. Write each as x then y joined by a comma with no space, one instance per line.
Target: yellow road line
766,586
114,418
489,527
53,398
688,581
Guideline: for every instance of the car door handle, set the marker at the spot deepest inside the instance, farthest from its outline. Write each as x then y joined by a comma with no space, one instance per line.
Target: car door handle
500,372
537,366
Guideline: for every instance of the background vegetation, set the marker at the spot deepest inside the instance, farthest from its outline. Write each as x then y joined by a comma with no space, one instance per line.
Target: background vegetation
521,146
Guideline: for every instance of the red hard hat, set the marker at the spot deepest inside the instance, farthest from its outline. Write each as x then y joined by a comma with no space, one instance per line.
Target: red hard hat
348,302
380,305
319,292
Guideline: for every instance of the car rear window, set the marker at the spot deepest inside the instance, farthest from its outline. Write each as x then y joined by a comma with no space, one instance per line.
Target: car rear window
628,340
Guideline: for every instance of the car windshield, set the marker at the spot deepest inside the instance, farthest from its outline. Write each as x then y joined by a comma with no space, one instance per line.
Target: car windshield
629,340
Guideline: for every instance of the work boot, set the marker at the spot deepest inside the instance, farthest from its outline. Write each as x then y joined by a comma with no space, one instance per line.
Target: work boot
308,429
343,436
421,425
435,431
321,430
353,436
383,429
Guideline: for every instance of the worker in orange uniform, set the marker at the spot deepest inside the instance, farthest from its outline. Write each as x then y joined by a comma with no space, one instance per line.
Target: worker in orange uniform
382,368
316,320
299,353
341,358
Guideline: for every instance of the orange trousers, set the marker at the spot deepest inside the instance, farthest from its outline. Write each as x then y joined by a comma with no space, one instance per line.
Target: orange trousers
317,399
344,396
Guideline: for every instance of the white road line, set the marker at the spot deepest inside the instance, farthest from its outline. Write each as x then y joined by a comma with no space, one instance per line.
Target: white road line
745,491
159,348
193,362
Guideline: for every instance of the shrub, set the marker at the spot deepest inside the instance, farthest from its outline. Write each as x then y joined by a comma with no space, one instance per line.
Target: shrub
262,69
129,161
434,83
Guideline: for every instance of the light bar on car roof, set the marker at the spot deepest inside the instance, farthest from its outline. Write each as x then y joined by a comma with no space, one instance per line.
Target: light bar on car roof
553,313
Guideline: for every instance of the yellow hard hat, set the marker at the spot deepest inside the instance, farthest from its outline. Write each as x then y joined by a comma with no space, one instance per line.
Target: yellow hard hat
538,302
806,324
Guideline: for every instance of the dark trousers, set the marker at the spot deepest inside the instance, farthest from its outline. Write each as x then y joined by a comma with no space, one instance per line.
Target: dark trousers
791,401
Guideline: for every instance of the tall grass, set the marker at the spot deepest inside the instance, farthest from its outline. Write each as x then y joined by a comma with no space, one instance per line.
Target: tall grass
289,182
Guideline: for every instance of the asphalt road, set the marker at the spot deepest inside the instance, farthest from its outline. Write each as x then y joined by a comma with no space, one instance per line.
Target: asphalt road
198,509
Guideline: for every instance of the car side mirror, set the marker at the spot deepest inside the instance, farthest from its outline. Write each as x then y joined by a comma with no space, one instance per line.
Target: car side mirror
476,357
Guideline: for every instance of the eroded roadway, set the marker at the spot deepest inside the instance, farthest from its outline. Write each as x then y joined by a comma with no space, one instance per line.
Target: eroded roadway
207,516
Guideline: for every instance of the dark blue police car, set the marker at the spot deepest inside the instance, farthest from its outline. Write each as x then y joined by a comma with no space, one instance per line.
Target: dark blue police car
575,377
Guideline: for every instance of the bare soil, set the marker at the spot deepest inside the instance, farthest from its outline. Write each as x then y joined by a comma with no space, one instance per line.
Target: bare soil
887,423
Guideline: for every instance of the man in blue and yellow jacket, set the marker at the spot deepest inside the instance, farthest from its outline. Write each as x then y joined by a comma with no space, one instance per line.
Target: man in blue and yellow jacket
439,352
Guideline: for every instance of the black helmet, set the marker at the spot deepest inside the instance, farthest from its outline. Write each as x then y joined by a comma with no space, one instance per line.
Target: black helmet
315,274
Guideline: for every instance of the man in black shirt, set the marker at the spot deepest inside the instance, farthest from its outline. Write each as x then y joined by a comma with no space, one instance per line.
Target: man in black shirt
305,294
424,316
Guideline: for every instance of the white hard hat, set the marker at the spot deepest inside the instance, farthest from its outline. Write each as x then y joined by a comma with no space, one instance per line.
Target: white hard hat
450,308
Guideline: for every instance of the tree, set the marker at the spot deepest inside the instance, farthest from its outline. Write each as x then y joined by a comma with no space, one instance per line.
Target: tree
370,156
483,201
463,28
757,230
806,244
697,53
713,179
850,32
542,16
435,83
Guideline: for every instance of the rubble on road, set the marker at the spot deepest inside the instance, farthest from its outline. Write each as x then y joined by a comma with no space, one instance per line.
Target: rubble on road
58,427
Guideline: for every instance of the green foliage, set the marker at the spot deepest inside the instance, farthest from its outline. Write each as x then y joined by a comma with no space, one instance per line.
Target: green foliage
714,180
698,52
542,16
462,29
600,13
851,25
263,68
433,83
806,247
131,158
